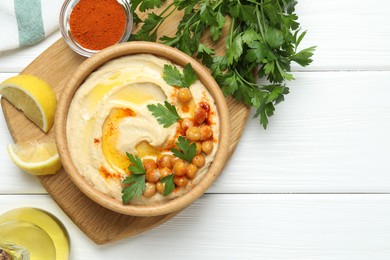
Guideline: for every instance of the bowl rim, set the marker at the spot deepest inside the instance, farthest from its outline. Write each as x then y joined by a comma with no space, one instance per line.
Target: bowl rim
176,57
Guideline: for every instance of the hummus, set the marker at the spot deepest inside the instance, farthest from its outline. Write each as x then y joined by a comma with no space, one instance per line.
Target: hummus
108,117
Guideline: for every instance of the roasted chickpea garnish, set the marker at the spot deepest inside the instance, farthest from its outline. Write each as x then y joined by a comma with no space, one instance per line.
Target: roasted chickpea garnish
180,181
206,132
200,116
165,161
193,133
149,164
191,171
164,172
152,175
160,187
207,147
175,160
150,190
198,160
179,169
184,95
198,147
186,123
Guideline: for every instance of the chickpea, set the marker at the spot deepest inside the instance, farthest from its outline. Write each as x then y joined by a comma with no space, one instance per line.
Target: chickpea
207,147
150,190
205,132
198,147
193,133
198,160
174,160
186,123
160,187
152,175
149,164
184,95
165,161
200,116
180,181
179,169
191,171
164,172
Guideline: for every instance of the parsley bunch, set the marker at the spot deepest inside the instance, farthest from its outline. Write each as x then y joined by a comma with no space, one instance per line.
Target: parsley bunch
263,40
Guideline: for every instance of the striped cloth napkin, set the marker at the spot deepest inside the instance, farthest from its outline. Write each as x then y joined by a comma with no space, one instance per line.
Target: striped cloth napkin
26,22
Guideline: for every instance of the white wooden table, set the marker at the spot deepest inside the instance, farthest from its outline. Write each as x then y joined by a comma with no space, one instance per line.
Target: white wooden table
314,185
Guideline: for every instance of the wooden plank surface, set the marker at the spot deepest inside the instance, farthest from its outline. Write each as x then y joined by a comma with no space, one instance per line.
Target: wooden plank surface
236,220
100,224
329,136
349,35
236,226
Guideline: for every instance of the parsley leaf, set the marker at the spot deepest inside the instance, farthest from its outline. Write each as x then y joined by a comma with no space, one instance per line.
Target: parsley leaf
137,166
189,75
187,151
135,181
166,114
149,4
262,41
136,187
173,77
147,31
169,184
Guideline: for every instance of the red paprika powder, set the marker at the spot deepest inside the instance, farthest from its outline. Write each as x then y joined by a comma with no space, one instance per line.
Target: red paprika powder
97,24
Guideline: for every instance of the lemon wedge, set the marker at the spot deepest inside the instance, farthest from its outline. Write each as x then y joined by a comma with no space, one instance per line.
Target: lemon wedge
33,96
36,157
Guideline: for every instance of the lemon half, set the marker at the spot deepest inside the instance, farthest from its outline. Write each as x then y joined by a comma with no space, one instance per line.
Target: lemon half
36,157
33,96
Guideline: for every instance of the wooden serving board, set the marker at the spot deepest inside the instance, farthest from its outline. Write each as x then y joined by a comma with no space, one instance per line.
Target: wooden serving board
100,224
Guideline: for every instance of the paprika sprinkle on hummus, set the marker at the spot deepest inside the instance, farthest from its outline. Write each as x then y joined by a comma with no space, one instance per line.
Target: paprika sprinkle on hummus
97,24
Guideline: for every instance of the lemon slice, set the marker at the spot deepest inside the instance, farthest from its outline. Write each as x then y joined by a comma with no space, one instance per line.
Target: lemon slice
33,96
43,220
37,158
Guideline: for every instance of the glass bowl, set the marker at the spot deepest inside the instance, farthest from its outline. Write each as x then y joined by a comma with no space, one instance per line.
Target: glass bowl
66,10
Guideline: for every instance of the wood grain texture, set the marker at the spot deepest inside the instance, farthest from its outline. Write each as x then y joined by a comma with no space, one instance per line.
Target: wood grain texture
349,35
176,57
237,226
308,148
54,66
330,135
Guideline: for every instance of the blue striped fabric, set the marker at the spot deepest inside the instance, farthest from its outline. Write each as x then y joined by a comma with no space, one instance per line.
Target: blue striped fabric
30,24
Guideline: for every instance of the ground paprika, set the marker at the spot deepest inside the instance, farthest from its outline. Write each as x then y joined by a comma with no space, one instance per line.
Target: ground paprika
97,24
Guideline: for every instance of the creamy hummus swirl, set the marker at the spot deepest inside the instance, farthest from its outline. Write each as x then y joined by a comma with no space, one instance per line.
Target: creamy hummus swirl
108,117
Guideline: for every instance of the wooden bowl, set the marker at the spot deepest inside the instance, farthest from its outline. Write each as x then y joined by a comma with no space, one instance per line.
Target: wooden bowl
177,57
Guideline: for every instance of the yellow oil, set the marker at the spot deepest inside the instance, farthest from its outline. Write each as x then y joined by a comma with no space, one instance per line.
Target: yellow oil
145,149
136,94
97,94
38,231
133,95
110,138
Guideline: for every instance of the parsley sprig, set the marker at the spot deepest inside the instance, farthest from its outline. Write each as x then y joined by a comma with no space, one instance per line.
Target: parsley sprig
169,184
262,42
135,181
186,150
173,77
166,114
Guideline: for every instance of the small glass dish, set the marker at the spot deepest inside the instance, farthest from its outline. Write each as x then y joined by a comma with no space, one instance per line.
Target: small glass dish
66,10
